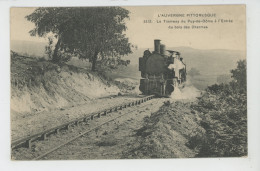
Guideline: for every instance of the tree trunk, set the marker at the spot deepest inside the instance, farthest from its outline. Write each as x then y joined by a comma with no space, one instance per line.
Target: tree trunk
55,57
94,61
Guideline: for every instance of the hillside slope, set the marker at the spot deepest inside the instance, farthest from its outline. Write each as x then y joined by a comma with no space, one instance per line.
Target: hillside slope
38,85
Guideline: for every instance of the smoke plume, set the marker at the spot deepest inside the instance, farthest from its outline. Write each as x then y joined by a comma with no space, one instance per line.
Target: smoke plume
185,92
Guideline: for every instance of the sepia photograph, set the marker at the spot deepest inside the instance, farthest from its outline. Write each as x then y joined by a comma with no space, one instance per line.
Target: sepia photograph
130,82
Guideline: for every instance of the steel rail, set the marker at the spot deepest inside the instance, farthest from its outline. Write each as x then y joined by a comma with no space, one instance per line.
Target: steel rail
82,134
26,141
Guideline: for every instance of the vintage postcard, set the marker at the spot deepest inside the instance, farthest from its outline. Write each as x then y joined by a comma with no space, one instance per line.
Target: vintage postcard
130,82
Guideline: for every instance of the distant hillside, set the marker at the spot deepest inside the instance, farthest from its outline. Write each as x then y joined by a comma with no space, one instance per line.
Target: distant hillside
208,62
28,47
211,62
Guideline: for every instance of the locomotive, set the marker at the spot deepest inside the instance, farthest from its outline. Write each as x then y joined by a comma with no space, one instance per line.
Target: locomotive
161,70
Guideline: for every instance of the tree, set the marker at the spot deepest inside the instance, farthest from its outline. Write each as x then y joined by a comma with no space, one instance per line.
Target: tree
48,48
84,32
239,74
50,20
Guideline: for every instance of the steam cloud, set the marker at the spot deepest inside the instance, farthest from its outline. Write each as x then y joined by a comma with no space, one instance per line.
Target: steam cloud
189,92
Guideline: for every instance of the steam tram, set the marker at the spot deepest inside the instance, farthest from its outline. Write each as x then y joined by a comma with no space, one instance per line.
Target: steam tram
161,70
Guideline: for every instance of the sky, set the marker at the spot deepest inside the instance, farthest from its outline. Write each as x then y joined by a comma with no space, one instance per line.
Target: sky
217,35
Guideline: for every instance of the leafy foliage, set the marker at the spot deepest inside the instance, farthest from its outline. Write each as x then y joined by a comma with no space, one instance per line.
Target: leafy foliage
239,75
223,109
49,47
88,33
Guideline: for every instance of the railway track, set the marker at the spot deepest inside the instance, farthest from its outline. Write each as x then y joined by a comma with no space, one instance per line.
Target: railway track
29,142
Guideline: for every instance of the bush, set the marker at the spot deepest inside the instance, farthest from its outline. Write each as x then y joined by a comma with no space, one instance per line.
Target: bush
224,118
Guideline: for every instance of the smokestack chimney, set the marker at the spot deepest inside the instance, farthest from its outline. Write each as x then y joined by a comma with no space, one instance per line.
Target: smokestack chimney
157,46
162,49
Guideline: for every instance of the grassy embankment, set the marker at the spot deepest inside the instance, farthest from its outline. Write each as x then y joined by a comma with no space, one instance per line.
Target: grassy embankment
37,85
